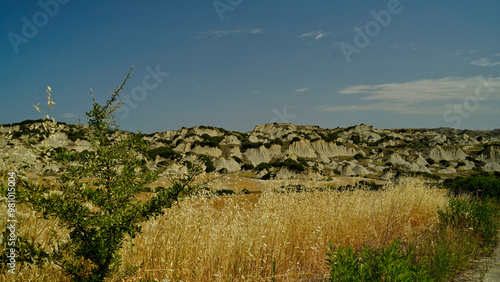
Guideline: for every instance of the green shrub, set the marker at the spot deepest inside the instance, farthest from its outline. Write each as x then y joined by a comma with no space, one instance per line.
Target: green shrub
238,160
209,141
100,212
391,263
358,157
267,176
430,161
485,184
477,215
263,166
277,141
209,165
249,145
164,152
247,167
444,163
303,162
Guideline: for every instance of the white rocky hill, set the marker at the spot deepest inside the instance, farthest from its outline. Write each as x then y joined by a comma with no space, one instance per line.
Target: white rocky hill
287,150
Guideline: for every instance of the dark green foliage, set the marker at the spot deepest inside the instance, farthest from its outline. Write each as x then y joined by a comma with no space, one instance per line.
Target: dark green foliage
267,176
358,157
356,139
75,132
303,162
209,141
165,141
164,152
475,215
238,160
444,163
209,165
277,141
485,184
430,161
330,137
391,263
290,164
249,145
101,212
263,166
247,167
295,139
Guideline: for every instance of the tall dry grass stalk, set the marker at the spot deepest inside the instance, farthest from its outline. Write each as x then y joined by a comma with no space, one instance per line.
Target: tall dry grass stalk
239,238
282,235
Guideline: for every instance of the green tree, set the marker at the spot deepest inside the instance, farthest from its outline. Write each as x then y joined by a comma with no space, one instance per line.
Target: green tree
95,196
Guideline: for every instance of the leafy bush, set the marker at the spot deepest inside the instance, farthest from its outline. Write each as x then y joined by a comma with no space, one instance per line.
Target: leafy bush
263,166
277,141
209,165
210,141
247,166
238,160
391,263
358,157
444,163
290,164
485,184
100,212
476,215
164,152
249,145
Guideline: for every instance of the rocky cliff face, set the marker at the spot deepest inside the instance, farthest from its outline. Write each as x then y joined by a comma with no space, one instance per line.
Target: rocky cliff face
289,151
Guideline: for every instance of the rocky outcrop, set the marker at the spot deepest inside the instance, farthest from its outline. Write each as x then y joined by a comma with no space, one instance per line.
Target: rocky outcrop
302,149
490,155
229,164
438,154
491,167
315,149
396,159
328,149
211,151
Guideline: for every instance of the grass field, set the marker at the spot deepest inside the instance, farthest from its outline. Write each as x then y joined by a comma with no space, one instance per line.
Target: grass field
261,237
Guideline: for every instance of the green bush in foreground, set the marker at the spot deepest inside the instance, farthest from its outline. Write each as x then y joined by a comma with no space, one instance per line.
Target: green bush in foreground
95,200
391,263
468,228
485,184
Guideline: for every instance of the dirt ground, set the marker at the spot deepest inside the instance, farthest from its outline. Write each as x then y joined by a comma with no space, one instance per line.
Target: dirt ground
485,269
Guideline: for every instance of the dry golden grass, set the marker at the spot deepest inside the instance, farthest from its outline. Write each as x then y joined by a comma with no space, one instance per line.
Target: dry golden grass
245,238
285,235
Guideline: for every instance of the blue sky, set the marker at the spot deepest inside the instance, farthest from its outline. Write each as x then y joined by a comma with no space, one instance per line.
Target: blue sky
239,63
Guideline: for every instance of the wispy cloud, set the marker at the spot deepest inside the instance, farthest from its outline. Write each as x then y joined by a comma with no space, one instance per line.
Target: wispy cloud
484,62
414,97
462,52
315,35
302,89
228,32
69,115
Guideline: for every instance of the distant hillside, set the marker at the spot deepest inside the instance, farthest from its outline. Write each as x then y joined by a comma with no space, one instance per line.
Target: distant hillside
289,151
